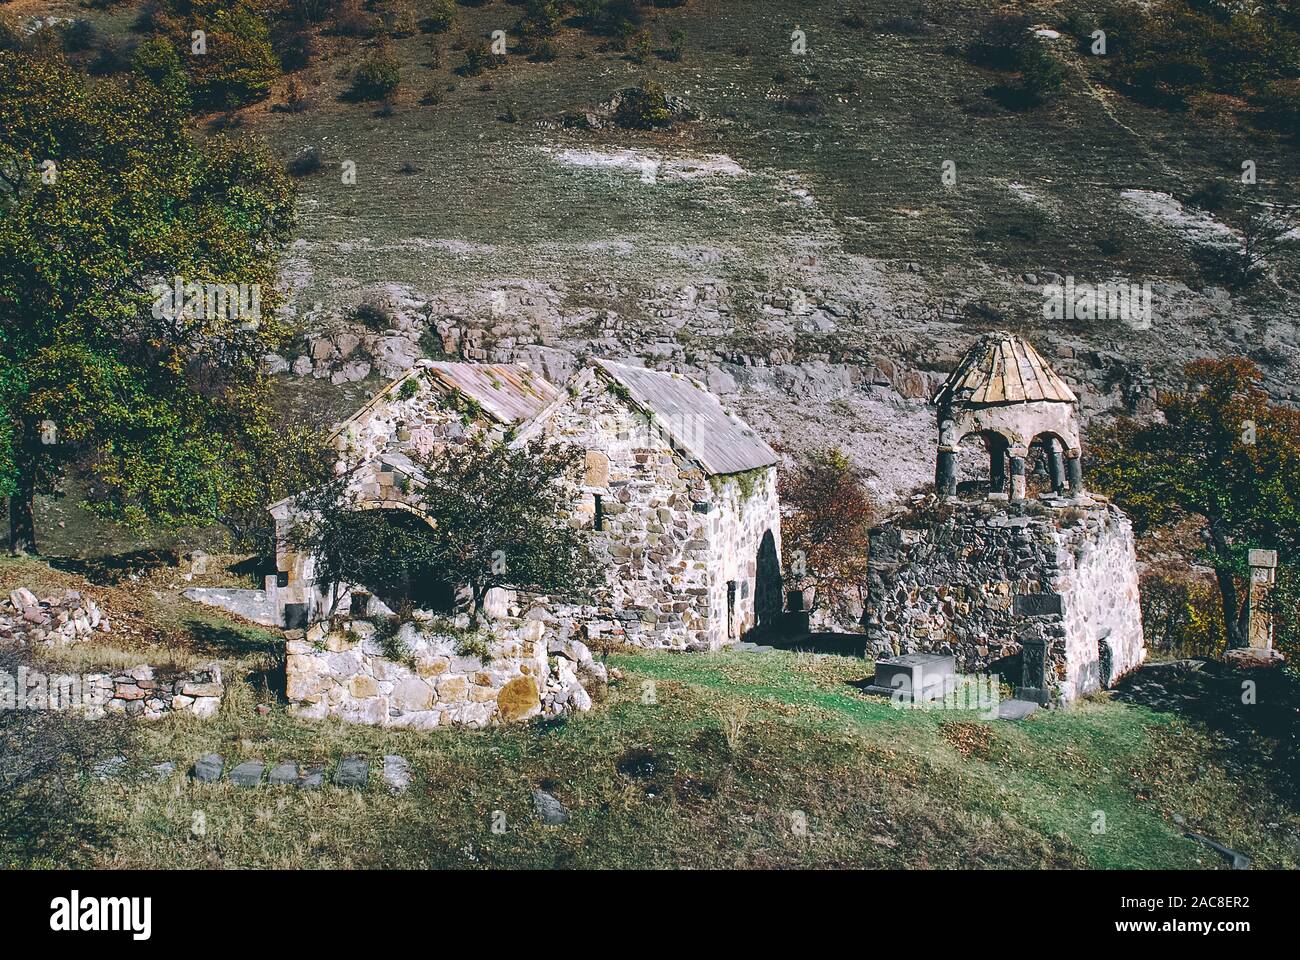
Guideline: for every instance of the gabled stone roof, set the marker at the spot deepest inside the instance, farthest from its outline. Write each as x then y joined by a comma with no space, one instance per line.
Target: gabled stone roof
510,393
693,418
1001,369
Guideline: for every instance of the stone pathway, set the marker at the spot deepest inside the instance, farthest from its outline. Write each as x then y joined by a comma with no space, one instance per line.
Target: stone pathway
351,773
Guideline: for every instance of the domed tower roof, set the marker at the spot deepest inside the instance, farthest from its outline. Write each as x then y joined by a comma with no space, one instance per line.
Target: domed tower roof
1000,370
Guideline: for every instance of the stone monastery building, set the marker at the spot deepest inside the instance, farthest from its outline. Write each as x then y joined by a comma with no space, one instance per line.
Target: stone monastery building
679,495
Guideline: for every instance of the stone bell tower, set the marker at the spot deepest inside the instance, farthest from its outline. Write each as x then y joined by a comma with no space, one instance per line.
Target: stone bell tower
1044,592
1006,393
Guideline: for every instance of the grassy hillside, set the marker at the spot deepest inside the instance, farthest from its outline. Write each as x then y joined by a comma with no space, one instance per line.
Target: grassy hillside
692,760
797,236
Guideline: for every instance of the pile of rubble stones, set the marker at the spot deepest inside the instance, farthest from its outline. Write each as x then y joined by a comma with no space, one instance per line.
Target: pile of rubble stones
58,620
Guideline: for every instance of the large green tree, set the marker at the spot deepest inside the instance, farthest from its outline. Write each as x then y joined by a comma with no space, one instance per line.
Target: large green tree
491,514
105,196
501,518
1222,452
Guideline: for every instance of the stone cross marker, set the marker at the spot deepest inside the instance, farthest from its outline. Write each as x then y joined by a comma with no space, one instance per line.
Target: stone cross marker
1263,572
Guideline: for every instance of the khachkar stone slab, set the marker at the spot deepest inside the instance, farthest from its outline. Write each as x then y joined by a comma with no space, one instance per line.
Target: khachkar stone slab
1043,594
916,676
1260,651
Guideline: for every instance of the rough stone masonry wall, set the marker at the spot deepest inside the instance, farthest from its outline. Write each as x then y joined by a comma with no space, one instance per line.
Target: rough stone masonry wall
141,693
654,548
975,579
744,548
1097,560
138,692
670,539
345,673
417,426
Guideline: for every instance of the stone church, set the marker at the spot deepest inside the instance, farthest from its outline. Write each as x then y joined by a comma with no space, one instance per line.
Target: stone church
679,496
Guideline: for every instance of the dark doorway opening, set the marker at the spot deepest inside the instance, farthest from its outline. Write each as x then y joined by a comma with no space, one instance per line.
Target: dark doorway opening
391,562
768,586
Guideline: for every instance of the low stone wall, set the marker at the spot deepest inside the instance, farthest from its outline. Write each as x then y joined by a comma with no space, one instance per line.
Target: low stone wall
137,692
1051,582
433,677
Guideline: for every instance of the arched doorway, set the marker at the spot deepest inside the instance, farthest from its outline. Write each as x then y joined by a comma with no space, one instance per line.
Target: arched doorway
982,463
1046,466
767,584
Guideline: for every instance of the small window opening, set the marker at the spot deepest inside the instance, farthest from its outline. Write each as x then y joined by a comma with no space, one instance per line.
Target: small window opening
599,514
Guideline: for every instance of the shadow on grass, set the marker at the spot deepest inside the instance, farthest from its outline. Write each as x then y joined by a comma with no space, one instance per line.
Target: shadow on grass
221,640
113,568
1254,714
839,644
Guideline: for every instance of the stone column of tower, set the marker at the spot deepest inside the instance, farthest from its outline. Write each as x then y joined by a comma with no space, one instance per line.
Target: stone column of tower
1055,465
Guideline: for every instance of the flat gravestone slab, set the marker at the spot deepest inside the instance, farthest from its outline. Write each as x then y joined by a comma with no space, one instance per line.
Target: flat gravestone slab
549,808
284,774
207,769
248,774
1015,709
110,768
397,773
313,778
353,772
927,676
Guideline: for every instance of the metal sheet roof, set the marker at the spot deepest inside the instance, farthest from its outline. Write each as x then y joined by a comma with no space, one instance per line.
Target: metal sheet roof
509,392
1002,369
694,419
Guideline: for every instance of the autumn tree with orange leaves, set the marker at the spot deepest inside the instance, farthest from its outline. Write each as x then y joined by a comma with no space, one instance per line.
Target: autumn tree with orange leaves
826,516
1223,453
